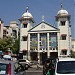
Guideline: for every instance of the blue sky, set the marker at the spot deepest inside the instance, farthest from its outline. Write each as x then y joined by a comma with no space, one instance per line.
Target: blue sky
13,10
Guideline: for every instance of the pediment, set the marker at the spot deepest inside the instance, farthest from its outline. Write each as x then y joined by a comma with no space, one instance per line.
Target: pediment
43,26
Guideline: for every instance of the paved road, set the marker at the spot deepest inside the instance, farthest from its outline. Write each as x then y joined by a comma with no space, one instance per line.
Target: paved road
34,71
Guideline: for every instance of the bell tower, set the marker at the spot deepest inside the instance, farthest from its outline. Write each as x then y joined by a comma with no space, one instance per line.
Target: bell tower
64,40
26,22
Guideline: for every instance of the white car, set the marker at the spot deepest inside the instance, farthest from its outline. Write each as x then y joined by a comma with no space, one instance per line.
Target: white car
65,66
8,57
24,62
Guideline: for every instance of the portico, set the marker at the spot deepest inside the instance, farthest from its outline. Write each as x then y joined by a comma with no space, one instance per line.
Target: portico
42,42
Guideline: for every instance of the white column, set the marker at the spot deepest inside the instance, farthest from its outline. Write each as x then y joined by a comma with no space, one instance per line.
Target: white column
58,40
20,38
1,30
48,53
69,39
38,42
28,46
17,31
38,49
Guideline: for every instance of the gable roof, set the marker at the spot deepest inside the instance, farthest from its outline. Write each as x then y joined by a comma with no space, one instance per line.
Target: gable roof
43,26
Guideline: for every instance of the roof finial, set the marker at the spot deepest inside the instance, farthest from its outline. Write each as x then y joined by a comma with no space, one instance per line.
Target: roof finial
42,18
27,8
61,6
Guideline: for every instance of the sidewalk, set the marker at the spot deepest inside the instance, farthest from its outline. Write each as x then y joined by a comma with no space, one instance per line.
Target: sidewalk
35,66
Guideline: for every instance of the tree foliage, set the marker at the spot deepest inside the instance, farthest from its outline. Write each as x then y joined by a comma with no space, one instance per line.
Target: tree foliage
73,54
7,43
16,46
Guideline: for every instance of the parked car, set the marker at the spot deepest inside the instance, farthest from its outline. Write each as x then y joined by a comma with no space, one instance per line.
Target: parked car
8,57
8,67
65,66
25,62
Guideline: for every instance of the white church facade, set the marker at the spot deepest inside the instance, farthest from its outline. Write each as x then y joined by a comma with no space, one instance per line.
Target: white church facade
44,40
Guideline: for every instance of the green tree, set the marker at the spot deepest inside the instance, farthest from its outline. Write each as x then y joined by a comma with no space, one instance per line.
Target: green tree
73,54
6,43
2,45
16,46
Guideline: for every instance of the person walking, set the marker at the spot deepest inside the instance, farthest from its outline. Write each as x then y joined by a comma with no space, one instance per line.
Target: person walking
50,70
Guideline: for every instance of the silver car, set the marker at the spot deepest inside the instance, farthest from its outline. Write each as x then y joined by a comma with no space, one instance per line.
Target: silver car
25,62
11,68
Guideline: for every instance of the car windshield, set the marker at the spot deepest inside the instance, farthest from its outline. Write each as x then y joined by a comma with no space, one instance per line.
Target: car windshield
3,69
66,67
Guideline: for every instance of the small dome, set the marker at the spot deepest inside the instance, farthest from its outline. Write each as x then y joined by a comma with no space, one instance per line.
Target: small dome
27,14
4,28
13,22
62,12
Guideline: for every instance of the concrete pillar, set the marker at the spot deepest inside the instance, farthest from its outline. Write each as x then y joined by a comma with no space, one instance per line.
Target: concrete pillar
38,49
20,37
28,46
48,53
58,38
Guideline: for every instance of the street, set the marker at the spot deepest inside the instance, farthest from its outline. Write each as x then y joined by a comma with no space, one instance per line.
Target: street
34,71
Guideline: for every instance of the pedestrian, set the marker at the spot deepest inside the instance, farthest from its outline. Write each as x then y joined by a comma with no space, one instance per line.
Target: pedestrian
38,63
50,70
48,73
46,68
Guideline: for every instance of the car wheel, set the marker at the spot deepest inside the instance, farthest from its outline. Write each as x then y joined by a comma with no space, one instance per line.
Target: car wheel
26,66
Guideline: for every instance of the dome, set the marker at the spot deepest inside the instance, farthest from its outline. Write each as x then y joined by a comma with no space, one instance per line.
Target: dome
62,12
13,22
27,14
4,28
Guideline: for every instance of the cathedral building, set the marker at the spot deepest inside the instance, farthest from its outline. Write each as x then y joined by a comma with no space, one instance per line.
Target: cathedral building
45,40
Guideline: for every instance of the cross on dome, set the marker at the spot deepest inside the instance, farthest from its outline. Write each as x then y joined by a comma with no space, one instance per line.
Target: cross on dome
27,14
42,18
62,11
62,6
27,8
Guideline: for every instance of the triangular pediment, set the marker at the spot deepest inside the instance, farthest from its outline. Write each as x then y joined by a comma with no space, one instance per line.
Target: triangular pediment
43,26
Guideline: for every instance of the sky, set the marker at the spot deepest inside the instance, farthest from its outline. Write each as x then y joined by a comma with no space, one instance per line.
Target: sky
13,10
